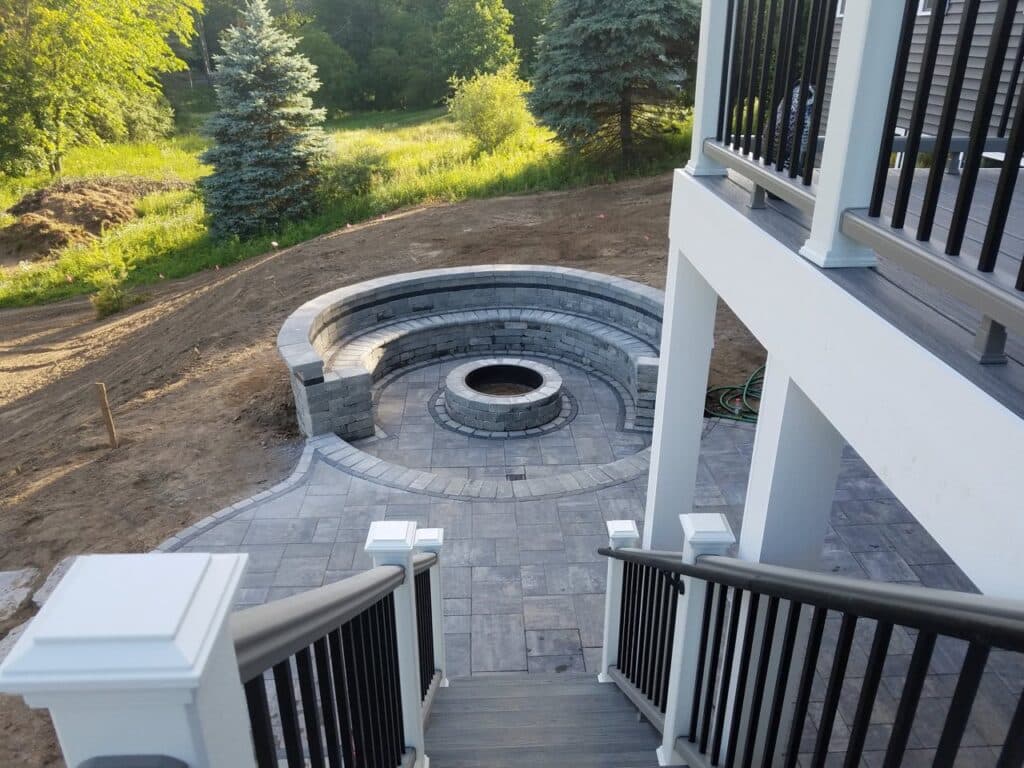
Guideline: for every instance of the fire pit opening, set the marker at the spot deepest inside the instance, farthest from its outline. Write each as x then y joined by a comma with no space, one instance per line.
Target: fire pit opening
504,380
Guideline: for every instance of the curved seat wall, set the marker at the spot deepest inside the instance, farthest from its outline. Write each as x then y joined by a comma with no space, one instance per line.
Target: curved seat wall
338,344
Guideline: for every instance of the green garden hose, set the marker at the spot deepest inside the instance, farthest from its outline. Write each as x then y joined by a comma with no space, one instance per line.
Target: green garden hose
736,403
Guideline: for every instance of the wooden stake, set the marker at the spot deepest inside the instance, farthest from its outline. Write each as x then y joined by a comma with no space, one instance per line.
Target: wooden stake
108,417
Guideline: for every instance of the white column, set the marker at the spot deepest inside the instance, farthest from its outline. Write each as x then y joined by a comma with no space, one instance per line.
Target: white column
793,476
432,540
708,94
132,655
704,533
621,534
393,542
687,337
864,67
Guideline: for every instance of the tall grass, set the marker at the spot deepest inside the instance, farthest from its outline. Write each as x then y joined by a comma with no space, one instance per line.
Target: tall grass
379,163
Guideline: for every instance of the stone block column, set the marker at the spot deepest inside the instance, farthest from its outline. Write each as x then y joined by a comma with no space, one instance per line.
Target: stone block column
132,655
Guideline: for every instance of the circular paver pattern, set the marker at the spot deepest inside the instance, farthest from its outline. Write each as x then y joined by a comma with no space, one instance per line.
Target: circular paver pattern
504,395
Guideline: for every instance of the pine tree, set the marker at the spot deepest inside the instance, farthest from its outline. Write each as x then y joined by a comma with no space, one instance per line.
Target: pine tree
268,141
602,64
475,37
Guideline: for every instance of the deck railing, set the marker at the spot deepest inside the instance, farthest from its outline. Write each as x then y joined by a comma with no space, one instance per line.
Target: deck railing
749,638
774,81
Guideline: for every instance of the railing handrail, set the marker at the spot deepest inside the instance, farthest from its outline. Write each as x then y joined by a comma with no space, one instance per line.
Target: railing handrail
423,561
976,618
267,634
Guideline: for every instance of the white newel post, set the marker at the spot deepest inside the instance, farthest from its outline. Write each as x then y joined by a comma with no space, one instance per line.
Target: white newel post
704,533
432,540
621,534
864,67
132,656
687,338
708,85
393,542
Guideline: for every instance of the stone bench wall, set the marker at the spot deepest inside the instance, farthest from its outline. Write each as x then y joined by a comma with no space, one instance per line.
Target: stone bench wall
337,345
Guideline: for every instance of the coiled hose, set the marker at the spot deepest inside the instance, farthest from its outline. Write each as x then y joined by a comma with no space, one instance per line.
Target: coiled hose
736,403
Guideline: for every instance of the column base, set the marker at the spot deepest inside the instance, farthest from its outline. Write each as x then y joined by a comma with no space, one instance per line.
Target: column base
444,683
604,678
704,167
668,757
839,255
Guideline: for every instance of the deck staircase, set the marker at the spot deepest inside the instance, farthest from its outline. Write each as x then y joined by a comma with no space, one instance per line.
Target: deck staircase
543,721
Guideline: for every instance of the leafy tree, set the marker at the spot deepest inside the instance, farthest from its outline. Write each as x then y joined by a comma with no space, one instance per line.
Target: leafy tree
475,36
529,22
335,68
603,68
491,107
269,143
77,71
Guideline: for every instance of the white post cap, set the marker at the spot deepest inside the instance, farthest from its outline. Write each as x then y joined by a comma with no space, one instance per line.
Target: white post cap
430,539
391,542
705,533
622,533
121,622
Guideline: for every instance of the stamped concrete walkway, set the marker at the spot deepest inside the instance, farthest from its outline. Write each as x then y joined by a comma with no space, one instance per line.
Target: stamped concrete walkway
523,583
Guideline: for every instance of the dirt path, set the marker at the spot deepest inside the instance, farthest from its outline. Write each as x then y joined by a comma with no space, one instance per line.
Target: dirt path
201,398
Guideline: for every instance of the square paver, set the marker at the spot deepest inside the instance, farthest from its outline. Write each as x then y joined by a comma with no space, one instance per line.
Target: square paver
498,643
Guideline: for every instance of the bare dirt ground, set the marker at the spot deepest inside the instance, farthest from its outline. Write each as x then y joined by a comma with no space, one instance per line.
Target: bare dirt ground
201,400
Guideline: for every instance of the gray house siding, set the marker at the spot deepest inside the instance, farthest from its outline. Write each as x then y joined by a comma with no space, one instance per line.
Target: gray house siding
975,67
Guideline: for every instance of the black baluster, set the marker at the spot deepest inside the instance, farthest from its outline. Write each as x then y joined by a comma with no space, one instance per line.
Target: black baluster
702,655
262,725
347,725
327,701
741,678
892,110
835,687
723,96
760,678
716,647
738,43
1011,89
868,691
396,685
911,695
960,707
824,54
1012,754
810,47
755,77
746,73
1004,193
987,91
787,98
779,696
918,115
764,98
726,675
288,712
310,708
380,661
803,695
947,121
357,706
669,641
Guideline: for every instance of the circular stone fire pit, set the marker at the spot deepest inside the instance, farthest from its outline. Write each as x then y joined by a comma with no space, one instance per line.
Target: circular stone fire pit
503,394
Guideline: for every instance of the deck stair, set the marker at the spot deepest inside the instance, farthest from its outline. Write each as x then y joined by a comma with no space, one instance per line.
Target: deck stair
537,720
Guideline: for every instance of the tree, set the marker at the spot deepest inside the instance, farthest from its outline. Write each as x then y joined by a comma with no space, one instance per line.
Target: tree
529,22
475,36
335,68
491,107
602,66
269,144
75,71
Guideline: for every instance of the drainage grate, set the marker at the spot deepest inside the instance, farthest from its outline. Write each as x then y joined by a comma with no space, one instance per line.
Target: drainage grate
515,476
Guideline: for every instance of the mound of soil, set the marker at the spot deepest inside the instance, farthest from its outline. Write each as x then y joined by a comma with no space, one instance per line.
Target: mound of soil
71,212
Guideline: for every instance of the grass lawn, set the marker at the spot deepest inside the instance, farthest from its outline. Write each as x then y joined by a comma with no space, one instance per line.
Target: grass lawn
380,162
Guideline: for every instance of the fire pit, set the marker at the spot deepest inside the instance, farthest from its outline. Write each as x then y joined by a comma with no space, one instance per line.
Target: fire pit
503,394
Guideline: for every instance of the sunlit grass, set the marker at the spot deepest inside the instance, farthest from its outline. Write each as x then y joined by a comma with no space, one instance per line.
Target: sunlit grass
380,162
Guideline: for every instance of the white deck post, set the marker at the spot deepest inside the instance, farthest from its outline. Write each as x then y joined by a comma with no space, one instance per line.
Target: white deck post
708,85
793,476
621,534
864,67
432,540
132,655
393,542
687,338
704,533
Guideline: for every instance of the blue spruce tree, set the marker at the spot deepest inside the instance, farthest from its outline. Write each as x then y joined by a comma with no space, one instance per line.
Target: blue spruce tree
269,144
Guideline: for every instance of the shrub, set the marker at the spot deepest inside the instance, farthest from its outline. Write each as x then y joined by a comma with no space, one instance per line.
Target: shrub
112,296
491,108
